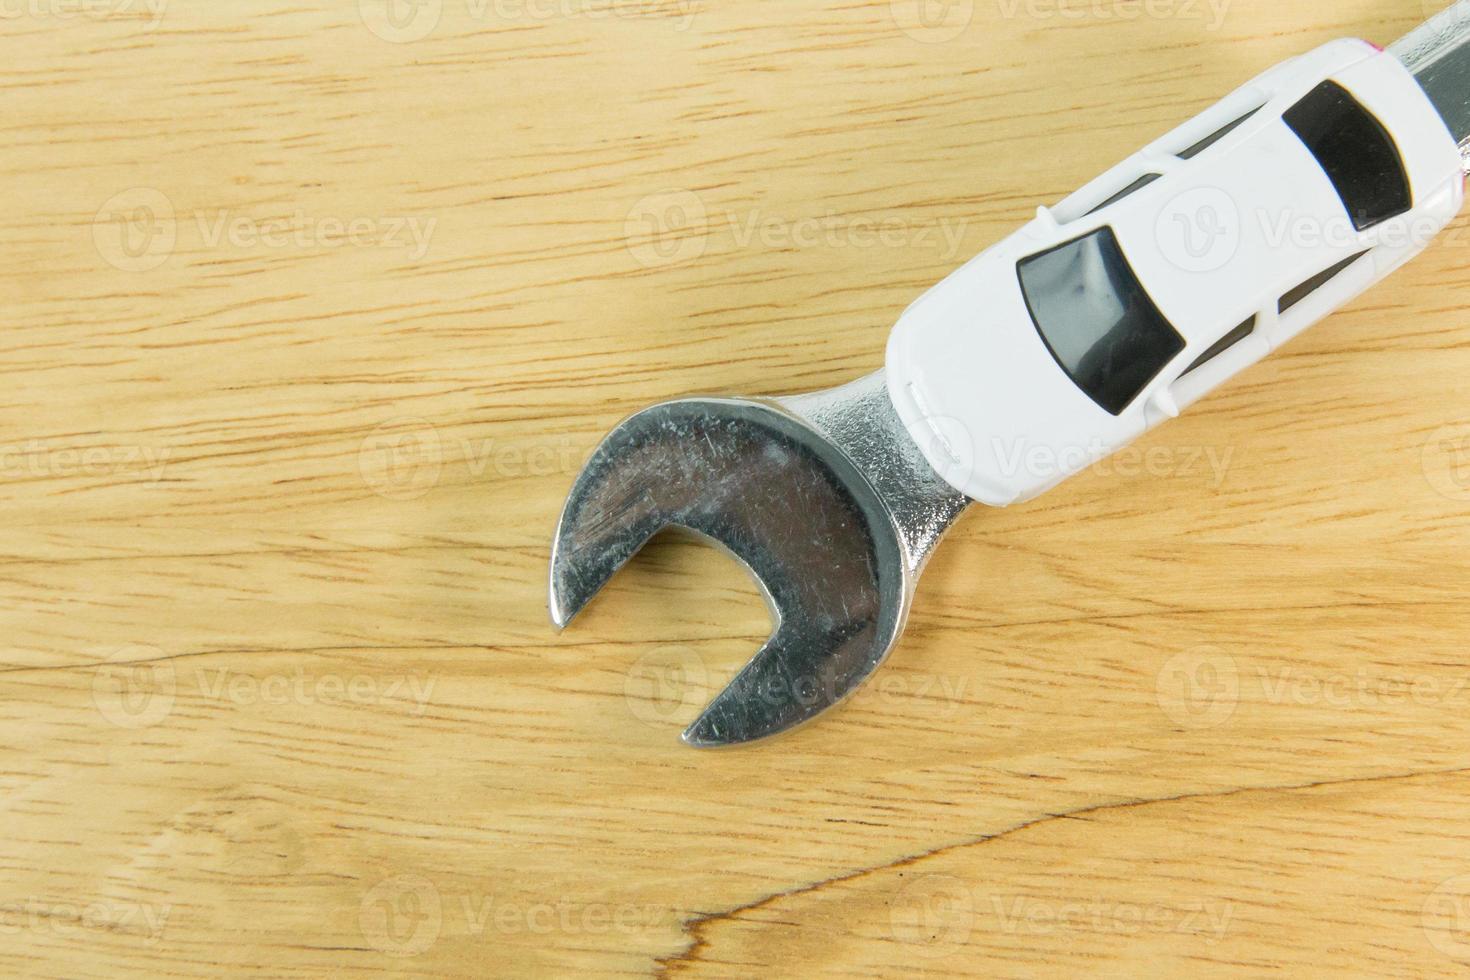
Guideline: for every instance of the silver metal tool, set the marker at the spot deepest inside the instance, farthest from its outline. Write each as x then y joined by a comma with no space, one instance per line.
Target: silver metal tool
835,500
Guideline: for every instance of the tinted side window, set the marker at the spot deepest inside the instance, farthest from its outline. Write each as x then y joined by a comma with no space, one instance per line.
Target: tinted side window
1095,318
1355,150
1297,293
1243,330
1216,136
1137,185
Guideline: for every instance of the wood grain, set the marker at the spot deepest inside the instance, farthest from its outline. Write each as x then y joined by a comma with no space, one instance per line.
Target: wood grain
311,315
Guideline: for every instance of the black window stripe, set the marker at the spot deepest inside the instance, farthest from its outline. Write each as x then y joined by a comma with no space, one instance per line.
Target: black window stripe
1235,336
1216,136
1138,184
1300,292
1356,151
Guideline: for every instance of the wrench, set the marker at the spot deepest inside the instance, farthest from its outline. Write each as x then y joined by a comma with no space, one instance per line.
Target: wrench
1079,333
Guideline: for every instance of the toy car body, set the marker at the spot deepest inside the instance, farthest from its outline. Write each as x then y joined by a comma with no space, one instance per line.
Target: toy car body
1173,271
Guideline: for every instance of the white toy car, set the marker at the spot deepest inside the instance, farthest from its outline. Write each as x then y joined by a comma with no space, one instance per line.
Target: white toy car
1174,270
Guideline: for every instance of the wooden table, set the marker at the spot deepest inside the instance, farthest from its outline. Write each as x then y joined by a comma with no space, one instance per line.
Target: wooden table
313,309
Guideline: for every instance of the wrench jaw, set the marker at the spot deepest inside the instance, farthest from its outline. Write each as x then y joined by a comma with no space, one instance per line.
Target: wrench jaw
585,555
788,683
780,496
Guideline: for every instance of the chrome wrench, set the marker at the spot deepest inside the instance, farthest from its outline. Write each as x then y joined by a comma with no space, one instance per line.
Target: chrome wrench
1095,322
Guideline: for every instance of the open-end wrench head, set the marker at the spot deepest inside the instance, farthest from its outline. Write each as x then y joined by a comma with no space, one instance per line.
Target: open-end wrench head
788,504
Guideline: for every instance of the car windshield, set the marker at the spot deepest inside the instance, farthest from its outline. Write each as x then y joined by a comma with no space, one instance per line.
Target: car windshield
1096,319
